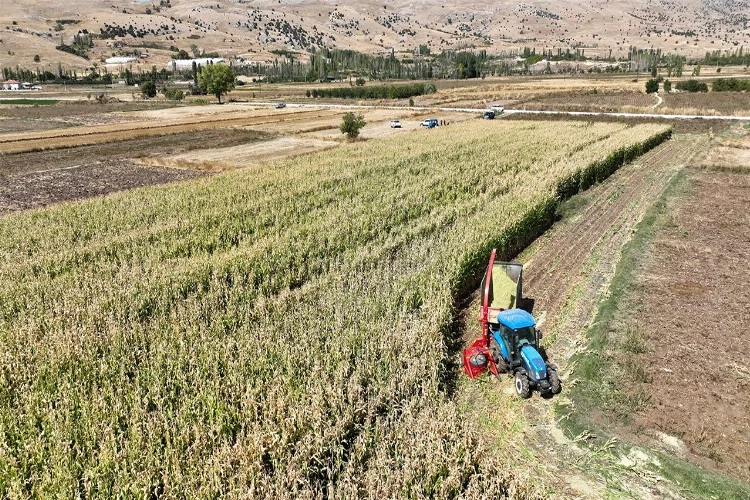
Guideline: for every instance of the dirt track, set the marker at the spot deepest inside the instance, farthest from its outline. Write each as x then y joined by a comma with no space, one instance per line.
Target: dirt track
556,260
554,264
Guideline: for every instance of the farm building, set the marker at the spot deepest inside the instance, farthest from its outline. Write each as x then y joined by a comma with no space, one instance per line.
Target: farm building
11,85
120,60
188,63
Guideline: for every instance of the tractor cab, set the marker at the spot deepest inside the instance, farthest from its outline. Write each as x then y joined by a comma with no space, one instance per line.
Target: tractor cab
515,329
510,339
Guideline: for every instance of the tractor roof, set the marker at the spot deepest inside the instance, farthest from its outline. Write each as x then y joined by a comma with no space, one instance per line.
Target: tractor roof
515,318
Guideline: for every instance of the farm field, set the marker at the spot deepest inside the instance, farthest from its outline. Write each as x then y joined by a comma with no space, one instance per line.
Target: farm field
659,377
254,333
707,103
39,178
692,306
567,272
138,144
692,312
592,100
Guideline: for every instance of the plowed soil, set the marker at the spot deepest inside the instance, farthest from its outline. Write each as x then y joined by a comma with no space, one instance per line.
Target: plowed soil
39,189
100,134
693,308
39,178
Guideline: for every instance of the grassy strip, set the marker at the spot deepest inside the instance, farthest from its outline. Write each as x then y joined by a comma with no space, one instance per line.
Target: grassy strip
733,169
600,373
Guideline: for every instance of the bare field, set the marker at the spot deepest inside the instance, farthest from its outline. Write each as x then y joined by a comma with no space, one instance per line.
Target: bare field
77,136
694,304
233,157
40,178
593,100
708,103
39,189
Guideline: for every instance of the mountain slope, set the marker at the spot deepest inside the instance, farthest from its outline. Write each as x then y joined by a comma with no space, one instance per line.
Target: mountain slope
252,29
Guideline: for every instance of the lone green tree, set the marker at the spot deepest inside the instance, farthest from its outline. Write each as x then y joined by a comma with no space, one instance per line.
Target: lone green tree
217,79
351,124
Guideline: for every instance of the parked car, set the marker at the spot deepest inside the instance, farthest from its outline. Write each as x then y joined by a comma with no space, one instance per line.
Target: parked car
497,108
280,105
489,115
429,122
395,123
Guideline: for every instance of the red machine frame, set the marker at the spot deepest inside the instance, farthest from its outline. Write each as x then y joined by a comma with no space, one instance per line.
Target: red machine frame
482,344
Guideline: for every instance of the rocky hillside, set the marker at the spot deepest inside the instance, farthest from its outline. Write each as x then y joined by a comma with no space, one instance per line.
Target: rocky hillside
252,30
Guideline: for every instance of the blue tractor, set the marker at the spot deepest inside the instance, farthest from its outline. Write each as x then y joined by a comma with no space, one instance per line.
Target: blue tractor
510,339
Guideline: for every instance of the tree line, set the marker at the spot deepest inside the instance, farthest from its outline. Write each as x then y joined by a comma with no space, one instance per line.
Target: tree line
374,92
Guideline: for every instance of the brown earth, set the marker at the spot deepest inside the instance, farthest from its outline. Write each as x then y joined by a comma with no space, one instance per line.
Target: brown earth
153,146
98,134
39,178
689,126
693,306
593,100
42,188
709,103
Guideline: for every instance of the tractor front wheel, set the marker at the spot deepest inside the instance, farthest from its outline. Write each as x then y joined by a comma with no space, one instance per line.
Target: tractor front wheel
554,382
522,386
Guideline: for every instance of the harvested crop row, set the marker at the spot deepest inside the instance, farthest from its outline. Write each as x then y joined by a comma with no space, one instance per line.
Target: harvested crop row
276,332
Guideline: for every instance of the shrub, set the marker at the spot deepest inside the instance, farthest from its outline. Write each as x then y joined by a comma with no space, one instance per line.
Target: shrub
730,85
652,86
148,89
691,86
173,94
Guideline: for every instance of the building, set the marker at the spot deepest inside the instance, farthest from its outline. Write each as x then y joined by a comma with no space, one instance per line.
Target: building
11,85
188,63
120,60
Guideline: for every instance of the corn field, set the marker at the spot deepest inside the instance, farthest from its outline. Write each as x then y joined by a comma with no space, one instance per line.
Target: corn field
276,332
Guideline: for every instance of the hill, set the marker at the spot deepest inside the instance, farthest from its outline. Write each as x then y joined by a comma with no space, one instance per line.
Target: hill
252,31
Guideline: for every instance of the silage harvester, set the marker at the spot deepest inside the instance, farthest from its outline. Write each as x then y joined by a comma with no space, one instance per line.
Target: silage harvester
510,338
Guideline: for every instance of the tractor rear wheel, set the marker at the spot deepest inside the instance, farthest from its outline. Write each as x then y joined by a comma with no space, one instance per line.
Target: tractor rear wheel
522,386
497,357
554,381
